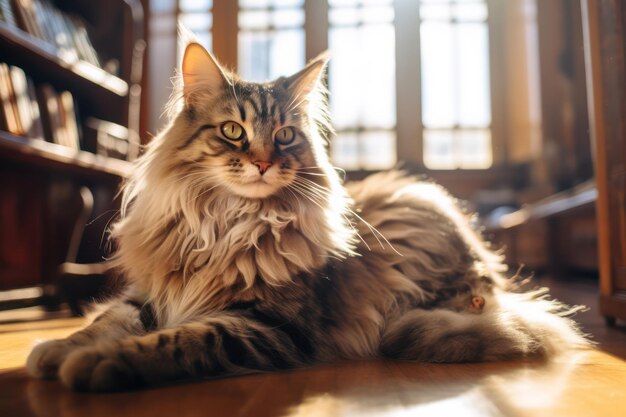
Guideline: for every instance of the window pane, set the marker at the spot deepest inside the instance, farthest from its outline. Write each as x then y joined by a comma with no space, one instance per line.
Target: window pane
345,150
262,54
261,4
474,149
456,105
254,3
287,53
254,55
342,3
473,82
254,19
470,12
362,84
438,95
271,39
457,148
377,14
343,16
288,18
439,149
378,83
378,149
162,6
195,5
474,11
435,11
196,22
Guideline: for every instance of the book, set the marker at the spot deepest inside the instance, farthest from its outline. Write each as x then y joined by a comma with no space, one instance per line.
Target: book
37,126
51,115
25,12
22,102
6,13
85,49
43,20
27,108
106,138
10,119
60,34
69,120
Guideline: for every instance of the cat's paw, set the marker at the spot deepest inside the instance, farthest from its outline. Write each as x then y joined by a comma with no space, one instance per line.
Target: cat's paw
45,358
91,369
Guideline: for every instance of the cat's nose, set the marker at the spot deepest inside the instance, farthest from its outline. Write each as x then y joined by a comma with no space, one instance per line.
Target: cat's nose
263,166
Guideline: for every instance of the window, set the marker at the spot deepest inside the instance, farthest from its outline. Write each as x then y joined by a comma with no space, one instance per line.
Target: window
362,83
456,109
429,102
271,38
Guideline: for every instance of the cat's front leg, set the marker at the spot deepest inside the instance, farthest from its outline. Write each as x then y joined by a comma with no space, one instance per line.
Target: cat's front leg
122,318
221,345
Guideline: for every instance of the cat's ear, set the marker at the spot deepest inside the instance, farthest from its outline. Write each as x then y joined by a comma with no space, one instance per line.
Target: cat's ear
308,79
201,71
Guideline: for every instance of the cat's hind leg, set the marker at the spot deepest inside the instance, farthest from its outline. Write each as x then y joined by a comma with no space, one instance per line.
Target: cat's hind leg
122,318
509,328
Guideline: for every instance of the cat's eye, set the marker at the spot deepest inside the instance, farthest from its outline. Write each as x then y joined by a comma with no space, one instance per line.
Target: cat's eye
232,130
285,136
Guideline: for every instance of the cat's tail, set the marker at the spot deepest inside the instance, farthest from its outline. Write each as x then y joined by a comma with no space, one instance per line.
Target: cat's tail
515,326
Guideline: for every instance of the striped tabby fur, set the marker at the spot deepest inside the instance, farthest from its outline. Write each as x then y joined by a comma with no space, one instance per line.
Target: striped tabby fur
231,271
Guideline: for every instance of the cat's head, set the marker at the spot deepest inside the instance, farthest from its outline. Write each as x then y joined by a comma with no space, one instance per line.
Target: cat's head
251,139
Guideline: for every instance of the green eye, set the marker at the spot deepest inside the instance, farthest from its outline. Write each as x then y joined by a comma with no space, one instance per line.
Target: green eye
285,136
232,130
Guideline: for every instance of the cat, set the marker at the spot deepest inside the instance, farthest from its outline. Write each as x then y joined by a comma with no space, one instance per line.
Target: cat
244,252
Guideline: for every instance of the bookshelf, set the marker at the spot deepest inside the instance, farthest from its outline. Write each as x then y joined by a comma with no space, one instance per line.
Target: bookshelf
30,52
43,179
61,158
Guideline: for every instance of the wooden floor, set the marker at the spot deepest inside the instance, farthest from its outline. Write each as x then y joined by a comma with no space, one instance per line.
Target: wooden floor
587,383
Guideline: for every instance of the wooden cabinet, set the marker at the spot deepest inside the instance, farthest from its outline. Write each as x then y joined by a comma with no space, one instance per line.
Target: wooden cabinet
604,23
42,183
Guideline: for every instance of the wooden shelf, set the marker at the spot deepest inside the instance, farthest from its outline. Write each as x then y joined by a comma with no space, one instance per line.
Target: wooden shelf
583,195
62,158
31,53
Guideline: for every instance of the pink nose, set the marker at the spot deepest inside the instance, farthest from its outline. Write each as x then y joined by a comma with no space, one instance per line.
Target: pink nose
263,166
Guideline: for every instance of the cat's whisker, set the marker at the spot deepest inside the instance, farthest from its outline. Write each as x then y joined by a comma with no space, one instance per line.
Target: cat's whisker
343,171
375,232
106,229
317,194
310,185
314,186
313,174
306,192
295,197
314,183
188,175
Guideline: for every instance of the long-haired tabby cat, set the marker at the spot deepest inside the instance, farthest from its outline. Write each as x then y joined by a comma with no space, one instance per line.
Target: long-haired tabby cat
244,252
